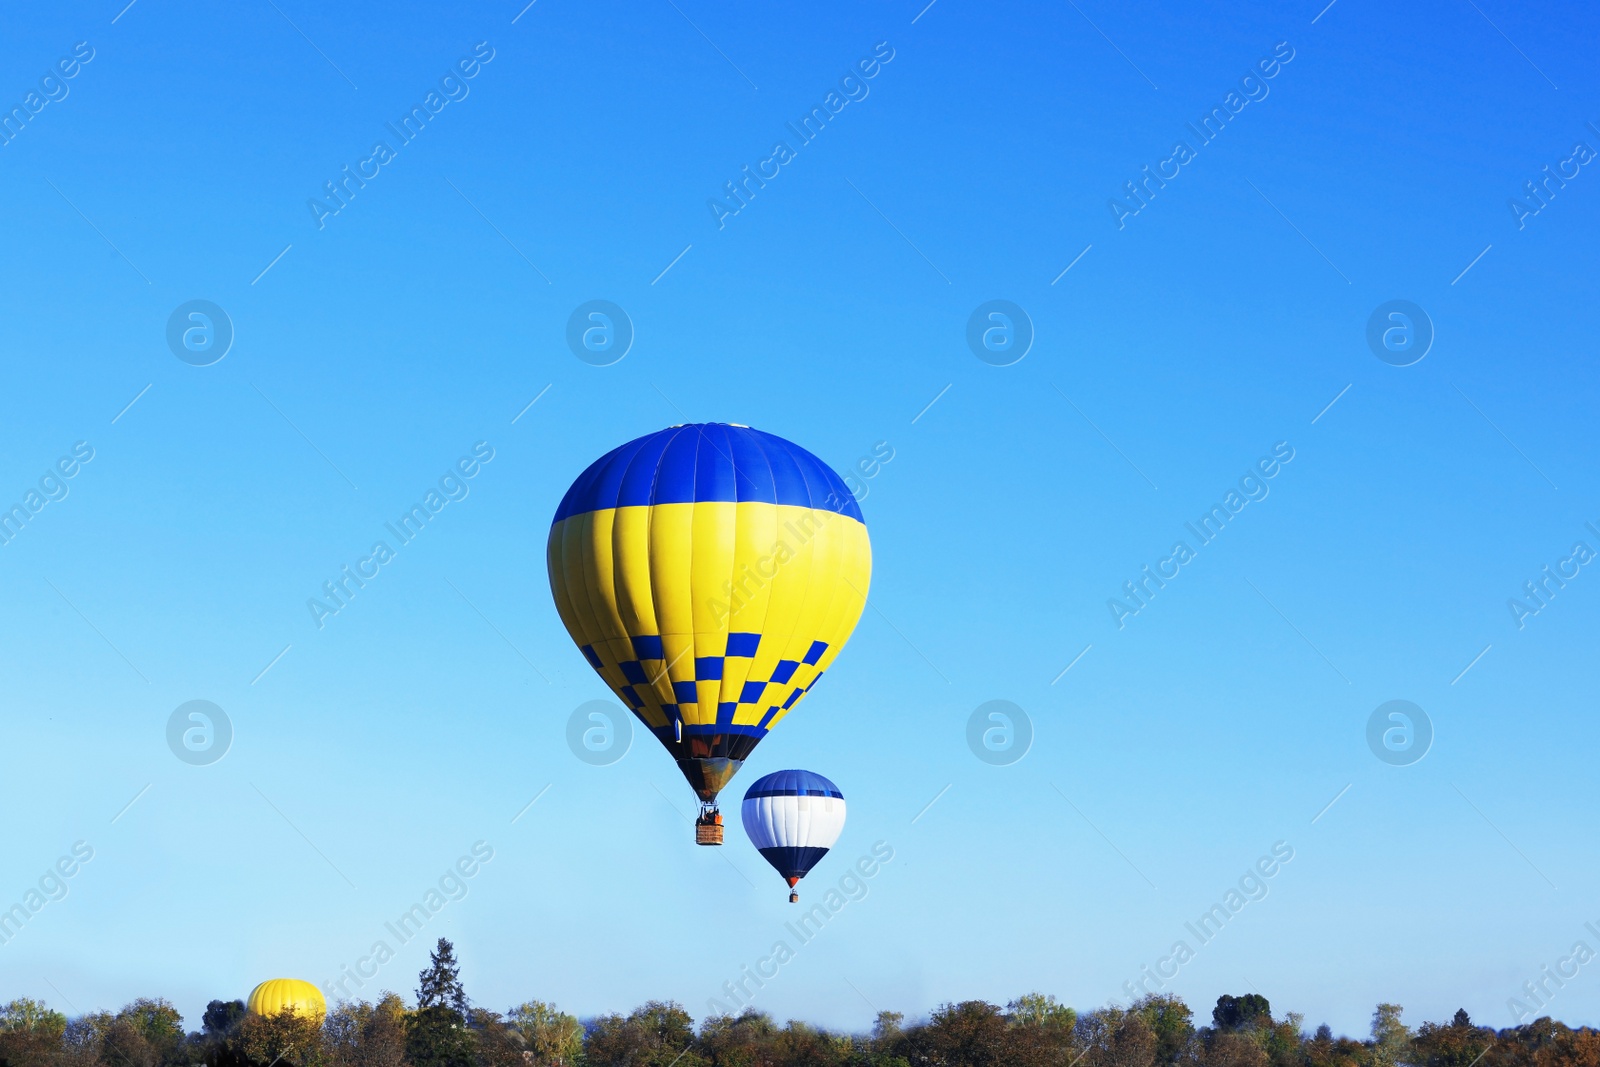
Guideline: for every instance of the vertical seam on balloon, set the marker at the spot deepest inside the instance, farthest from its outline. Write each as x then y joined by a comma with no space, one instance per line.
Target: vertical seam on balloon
650,578
845,549
616,551
694,509
777,515
811,582
600,613
578,615
806,593
727,683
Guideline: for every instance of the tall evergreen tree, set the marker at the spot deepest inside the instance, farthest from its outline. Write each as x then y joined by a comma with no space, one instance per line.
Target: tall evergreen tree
440,984
437,1034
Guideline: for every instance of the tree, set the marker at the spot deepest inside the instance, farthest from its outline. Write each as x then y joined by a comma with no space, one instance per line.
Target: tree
367,1035
656,1034
437,1034
1112,1037
971,1033
1039,1031
1170,1020
222,1016
1324,1050
32,1016
1232,1048
1040,1009
1240,1013
286,1037
84,1039
439,1037
1458,1045
1391,1038
30,1034
440,984
498,1044
737,1041
155,1018
889,1040
552,1037
802,1044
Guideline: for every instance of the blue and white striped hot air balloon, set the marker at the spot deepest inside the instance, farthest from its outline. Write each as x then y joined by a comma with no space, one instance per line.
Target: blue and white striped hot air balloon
793,818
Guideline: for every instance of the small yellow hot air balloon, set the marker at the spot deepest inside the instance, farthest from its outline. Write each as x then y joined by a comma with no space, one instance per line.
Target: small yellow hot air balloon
282,994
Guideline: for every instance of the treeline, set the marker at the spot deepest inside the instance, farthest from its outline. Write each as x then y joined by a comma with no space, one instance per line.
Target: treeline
444,1030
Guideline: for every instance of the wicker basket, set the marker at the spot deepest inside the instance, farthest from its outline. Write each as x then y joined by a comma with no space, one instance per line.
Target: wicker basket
708,829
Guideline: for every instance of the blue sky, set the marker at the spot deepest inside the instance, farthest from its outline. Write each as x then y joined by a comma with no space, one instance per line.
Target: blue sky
577,164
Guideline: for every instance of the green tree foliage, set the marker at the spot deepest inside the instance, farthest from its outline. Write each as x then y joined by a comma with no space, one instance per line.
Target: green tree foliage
439,985
222,1017
1170,1020
1114,1037
437,1034
742,1041
1544,1043
1232,1048
972,1032
1034,1030
287,1038
551,1036
32,1016
1042,1010
1391,1038
1240,1013
1459,1044
656,1034
439,1037
1324,1050
30,1034
367,1035
498,1043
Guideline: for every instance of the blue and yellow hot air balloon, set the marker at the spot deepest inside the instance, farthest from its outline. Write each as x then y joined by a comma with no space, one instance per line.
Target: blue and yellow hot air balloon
709,573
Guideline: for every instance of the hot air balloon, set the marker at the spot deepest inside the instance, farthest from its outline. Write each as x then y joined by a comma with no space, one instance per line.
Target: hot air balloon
709,573
281,994
793,818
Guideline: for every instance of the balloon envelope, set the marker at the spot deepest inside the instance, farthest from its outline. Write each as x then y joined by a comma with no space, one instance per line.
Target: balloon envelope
793,818
710,574
280,994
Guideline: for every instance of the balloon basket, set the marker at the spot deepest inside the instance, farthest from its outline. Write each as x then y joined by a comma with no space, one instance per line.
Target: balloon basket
708,828
794,898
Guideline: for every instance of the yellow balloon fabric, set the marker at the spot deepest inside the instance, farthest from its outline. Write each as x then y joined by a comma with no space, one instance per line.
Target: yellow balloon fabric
280,994
710,574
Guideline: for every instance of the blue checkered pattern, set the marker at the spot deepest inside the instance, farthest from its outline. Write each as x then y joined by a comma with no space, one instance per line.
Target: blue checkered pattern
639,694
